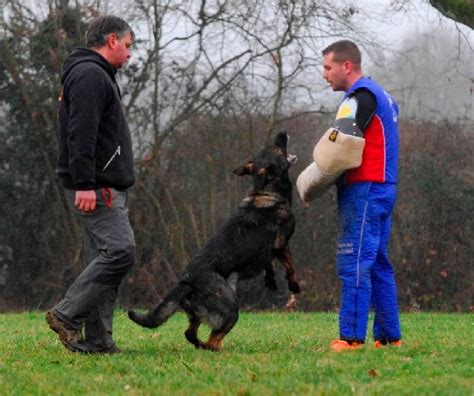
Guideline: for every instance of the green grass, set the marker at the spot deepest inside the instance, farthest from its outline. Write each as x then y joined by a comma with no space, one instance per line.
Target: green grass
265,354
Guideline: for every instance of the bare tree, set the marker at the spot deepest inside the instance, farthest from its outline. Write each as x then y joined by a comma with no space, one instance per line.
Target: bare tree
218,59
431,75
209,82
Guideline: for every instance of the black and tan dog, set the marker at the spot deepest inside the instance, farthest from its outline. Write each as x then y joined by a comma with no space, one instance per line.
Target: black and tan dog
242,248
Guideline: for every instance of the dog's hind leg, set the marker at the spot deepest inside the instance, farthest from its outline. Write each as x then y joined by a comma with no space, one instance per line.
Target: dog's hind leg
287,260
191,332
214,343
222,321
217,305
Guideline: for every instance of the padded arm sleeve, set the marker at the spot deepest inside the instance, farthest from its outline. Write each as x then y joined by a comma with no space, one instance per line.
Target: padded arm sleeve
333,154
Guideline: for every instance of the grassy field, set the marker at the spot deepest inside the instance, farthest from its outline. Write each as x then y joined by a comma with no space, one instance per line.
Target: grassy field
265,354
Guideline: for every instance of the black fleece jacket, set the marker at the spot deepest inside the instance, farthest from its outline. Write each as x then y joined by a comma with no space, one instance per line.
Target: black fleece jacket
95,146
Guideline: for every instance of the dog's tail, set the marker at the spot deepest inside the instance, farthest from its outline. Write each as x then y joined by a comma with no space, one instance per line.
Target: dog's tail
164,310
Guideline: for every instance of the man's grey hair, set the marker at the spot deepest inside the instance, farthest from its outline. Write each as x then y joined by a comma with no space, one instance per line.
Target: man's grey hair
101,27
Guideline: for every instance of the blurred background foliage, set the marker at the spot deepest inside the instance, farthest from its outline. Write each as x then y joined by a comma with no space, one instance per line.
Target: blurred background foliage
197,112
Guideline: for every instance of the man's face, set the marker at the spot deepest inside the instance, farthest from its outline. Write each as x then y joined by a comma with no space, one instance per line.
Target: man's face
335,73
120,49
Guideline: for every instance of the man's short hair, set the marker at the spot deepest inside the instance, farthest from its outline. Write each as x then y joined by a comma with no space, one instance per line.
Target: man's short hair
101,27
344,50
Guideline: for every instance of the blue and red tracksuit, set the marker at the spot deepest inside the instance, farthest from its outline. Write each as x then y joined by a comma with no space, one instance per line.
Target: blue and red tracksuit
366,196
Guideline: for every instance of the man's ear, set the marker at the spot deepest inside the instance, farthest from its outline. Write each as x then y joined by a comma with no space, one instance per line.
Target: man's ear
112,40
347,66
246,169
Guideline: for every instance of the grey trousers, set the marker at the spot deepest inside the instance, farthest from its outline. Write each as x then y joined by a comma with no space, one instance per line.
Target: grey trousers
109,247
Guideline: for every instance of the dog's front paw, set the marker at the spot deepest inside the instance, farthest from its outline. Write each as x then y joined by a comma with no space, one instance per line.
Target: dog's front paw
294,287
271,284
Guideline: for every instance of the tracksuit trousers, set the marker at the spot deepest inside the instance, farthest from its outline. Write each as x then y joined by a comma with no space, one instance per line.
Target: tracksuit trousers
363,265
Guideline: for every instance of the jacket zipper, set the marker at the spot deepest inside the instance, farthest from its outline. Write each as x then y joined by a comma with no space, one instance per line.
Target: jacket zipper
117,152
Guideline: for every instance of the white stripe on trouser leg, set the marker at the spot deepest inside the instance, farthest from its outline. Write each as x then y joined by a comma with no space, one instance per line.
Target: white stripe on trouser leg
360,242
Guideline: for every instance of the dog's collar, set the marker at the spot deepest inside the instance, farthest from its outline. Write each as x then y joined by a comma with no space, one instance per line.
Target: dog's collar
262,200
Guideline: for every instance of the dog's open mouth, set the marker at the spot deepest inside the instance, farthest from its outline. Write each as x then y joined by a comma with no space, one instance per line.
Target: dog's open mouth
292,158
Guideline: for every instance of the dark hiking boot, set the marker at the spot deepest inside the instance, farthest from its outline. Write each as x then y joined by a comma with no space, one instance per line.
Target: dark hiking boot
68,336
99,350
111,350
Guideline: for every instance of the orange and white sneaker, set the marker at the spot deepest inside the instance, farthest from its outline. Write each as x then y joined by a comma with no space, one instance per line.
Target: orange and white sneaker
342,346
380,344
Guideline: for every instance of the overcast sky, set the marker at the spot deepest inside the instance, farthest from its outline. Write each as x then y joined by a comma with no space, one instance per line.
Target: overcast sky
449,89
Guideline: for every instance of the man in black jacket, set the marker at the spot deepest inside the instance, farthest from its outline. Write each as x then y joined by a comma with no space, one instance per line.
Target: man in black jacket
95,165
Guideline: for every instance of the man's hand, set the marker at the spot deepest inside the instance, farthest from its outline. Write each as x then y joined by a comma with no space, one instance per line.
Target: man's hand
86,200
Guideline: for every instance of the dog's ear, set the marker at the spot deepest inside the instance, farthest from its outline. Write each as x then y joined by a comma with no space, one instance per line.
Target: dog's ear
246,169
281,141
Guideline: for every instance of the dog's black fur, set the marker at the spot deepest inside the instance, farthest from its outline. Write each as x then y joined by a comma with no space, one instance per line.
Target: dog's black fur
242,248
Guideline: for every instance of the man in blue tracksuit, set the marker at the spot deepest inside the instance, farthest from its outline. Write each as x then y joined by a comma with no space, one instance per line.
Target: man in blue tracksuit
366,196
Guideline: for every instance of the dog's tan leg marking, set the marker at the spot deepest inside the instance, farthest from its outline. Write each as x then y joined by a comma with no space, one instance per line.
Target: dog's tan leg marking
289,264
287,260
280,241
214,343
